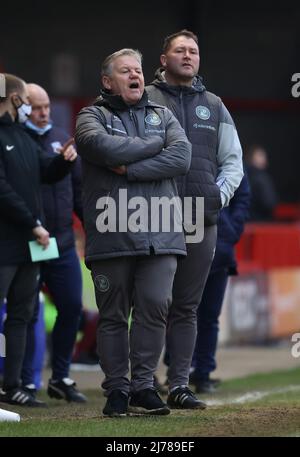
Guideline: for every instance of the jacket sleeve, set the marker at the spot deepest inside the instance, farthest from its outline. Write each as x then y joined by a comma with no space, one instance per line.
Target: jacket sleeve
77,188
97,146
174,159
239,207
12,206
53,169
229,157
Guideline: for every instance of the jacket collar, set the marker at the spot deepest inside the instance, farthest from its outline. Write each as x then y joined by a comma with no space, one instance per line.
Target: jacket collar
117,102
160,81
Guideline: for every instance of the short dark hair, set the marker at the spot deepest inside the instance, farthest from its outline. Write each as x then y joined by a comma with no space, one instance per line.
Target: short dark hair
12,84
168,40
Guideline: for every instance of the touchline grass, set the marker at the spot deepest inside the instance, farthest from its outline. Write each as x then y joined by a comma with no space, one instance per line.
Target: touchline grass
257,405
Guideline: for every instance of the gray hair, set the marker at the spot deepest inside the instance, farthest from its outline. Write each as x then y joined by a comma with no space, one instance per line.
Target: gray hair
106,68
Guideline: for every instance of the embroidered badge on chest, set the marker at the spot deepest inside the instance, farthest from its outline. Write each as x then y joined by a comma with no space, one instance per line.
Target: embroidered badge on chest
202,112
153,119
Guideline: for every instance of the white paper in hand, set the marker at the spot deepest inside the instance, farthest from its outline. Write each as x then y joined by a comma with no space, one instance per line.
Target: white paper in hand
38,253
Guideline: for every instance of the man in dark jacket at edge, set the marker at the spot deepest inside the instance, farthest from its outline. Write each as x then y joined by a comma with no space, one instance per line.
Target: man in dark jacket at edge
23,165
62,276
230,228
131,150
216,171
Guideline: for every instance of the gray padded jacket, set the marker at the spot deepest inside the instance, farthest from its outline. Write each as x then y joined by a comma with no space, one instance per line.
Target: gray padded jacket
150,142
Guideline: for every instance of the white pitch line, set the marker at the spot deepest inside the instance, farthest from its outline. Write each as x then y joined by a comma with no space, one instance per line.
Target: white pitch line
252,396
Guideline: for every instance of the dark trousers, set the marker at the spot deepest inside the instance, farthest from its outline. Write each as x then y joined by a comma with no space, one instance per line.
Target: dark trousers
63,279
146,282
19,285
208,313
189,283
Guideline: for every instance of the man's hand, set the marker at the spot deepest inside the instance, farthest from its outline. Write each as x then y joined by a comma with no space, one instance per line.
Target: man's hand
41,235
121,170
68,151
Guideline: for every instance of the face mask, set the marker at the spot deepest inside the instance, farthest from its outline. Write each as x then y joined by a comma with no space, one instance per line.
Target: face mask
39,130
23,112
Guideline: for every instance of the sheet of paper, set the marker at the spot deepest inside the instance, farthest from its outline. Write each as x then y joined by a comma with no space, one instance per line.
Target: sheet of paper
38,253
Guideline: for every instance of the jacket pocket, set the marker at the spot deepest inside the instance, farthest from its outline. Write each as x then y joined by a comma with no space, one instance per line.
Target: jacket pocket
218,197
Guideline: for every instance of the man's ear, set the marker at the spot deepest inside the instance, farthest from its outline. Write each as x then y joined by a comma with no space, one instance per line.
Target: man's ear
15,99
106,82
163,60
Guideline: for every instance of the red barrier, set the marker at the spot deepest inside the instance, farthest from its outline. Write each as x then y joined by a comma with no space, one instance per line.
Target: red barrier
287,212
265,246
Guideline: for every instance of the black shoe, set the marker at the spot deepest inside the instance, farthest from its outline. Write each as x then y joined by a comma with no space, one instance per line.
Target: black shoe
31,389
116,405
65,389
184,398
204,385
20,397
147,401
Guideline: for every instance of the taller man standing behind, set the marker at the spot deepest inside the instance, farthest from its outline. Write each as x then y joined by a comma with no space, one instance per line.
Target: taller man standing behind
215,173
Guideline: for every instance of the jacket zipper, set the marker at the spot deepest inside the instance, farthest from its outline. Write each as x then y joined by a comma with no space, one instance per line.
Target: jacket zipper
184,128
182,111
135,123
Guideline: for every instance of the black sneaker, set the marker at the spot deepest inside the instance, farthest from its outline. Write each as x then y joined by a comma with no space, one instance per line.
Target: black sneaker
65,389
116,405
204,385
147,401
184,398
19,397
31,389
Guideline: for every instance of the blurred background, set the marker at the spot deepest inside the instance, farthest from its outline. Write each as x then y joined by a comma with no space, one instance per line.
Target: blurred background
249,53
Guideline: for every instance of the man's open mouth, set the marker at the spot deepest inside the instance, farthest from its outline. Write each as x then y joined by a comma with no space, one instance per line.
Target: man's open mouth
134,86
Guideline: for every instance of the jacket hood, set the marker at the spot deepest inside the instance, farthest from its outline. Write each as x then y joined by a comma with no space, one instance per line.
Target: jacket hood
6,119
160,81
117,102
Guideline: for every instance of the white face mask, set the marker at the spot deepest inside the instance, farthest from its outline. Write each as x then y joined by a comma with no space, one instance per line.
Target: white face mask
39,130
23,111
